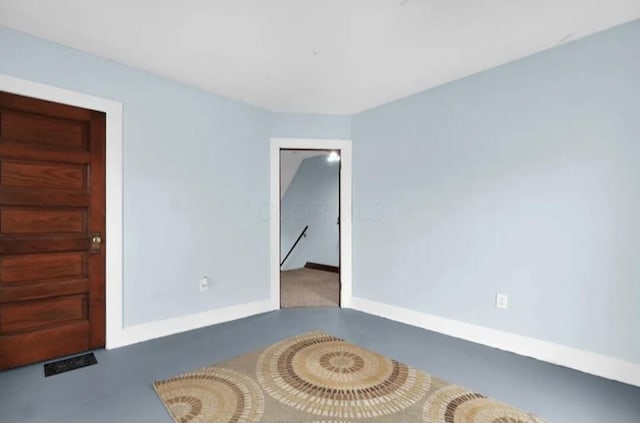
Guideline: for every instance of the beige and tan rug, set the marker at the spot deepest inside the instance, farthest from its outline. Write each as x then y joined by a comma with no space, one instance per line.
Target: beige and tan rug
316,377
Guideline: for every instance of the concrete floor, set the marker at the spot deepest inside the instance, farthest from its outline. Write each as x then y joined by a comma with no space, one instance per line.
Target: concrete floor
118,389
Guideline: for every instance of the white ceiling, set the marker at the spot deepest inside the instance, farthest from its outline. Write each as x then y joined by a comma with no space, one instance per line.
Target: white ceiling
316,56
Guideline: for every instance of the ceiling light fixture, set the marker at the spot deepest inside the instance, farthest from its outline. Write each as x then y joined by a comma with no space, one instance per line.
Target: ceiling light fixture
333,157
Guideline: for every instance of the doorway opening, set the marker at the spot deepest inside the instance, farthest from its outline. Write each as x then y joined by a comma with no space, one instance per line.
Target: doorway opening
311,237
309,228
115,333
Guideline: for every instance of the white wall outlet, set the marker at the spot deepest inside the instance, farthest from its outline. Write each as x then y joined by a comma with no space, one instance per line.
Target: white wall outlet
204,284
502,301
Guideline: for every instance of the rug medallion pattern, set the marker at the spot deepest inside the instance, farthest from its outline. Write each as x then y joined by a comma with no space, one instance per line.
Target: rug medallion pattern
316,377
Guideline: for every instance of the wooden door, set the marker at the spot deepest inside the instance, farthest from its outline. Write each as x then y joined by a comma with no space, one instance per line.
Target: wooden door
52,200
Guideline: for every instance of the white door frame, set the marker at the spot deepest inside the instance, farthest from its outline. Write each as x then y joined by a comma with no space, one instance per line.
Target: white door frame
113,236
345,211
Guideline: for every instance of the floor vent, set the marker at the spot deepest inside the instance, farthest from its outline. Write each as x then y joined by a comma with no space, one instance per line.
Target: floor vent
68,364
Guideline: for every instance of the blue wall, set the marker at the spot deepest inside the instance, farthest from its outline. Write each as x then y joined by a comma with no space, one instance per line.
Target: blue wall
196,172
524,179
312,199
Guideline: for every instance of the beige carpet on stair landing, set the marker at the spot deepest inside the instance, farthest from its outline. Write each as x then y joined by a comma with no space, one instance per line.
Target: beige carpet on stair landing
309,288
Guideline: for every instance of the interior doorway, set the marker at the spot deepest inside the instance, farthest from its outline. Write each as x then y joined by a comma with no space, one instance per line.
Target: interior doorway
340,263
309,228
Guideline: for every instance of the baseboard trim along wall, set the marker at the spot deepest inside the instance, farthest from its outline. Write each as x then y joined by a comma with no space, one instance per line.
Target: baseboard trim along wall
324,267
573,358
147,331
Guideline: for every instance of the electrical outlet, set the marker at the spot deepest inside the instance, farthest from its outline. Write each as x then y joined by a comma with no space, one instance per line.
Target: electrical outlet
204,284
502,301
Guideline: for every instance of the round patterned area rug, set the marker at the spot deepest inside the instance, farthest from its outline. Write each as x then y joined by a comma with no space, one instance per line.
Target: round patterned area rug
318,378
214,395
325,376
454,404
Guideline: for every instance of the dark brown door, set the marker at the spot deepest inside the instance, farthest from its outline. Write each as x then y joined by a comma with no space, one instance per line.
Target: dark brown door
52,220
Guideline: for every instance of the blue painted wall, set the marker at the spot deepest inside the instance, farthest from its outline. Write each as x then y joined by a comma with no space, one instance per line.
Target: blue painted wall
312,199
524,179
196,169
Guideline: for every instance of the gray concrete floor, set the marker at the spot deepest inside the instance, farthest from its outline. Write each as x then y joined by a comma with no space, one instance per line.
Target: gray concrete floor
118,389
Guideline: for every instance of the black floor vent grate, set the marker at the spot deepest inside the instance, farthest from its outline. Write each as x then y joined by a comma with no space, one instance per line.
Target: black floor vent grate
68,364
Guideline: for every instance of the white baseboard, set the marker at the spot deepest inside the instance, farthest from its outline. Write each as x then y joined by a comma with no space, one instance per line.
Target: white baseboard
144,332
573,358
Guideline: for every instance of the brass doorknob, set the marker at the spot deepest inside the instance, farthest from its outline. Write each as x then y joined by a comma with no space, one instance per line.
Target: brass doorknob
96,242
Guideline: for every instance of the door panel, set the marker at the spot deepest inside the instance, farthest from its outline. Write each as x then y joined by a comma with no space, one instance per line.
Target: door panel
42,313
43,175
52,199
15,220
42,289
38,345
33,152
37,129
10,245
33,267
